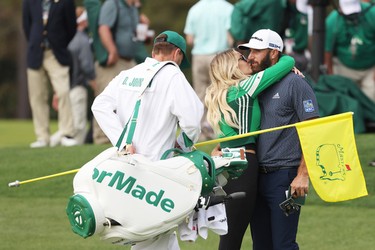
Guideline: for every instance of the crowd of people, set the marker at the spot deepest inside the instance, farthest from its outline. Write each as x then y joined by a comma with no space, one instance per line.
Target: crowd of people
242,70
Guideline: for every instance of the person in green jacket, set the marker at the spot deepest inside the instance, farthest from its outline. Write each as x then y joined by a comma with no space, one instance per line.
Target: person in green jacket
233,109
248,16
349,44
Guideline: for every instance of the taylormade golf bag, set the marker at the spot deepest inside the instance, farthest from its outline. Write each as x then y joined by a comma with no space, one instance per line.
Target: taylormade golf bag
127,198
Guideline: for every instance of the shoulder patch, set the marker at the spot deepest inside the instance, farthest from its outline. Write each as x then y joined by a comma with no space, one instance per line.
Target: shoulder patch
308,106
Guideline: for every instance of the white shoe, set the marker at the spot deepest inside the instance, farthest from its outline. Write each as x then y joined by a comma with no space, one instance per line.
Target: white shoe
39,144
68,142
55,139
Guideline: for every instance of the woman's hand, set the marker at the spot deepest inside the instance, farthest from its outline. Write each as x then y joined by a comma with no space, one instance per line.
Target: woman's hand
217,151
297,72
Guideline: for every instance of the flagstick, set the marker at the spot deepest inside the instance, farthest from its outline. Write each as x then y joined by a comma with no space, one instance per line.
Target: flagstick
200,144
303,123
18,183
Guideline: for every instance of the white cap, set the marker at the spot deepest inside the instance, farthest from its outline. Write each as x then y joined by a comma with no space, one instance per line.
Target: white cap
264,39
350,6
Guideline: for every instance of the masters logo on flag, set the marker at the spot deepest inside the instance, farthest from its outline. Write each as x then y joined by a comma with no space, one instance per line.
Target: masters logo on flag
330,158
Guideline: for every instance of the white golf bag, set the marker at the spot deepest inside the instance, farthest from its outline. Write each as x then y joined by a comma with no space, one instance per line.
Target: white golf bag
126,199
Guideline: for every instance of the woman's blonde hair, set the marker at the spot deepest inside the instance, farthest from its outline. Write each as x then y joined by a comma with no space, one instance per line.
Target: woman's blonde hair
224,73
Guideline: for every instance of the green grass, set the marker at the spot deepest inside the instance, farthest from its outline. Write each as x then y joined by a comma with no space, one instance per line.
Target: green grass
33,215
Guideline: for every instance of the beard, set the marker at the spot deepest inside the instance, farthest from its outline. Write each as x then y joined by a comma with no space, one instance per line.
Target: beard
263,64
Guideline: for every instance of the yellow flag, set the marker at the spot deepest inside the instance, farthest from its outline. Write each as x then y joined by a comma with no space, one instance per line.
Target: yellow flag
331,157
330,154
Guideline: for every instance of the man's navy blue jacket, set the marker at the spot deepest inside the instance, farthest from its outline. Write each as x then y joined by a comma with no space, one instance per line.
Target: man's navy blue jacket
60,30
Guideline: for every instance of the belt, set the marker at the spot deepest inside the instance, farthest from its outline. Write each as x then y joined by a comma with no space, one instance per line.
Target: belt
268,170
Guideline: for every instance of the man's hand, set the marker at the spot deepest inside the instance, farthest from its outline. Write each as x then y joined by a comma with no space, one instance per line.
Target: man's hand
112,58
129,149
300,184
55,102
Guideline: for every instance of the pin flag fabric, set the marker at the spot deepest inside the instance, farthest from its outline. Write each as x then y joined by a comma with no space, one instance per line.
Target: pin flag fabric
330,153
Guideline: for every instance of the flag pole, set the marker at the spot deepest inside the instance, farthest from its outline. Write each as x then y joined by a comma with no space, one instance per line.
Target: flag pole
18,183
201,144
303,123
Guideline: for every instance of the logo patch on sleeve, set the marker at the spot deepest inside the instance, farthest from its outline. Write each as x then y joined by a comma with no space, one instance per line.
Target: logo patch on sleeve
308,106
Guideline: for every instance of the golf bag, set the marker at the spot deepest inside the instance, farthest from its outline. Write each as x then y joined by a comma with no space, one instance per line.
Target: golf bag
127,199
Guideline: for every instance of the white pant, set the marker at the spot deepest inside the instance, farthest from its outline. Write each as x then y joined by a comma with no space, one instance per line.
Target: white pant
58,75
78,100
364,78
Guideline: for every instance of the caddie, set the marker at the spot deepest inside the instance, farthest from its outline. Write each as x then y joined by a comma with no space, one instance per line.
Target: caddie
168,101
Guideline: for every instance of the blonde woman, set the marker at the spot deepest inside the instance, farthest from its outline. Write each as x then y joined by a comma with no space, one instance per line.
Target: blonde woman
233,109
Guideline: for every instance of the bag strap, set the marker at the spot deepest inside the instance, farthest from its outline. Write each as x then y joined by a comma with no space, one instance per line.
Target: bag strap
133,122
150,74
